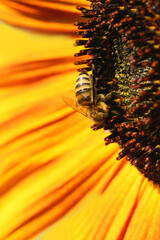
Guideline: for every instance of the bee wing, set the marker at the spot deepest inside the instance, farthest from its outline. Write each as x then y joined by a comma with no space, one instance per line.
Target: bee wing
69,98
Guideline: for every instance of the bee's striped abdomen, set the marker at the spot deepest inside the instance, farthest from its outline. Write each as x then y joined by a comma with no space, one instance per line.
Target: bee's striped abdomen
83,89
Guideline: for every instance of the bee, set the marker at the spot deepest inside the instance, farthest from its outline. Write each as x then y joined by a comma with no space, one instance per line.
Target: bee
87,101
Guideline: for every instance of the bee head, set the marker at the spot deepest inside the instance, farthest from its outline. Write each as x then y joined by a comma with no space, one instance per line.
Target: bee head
98,113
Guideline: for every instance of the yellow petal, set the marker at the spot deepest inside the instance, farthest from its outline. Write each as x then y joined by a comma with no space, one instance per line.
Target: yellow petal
145,219
30,47
37,146
95,217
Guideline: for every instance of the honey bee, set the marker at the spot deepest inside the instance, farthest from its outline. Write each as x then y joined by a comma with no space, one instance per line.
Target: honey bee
86,100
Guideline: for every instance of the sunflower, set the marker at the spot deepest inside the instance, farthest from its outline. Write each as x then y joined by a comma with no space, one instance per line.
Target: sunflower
58,179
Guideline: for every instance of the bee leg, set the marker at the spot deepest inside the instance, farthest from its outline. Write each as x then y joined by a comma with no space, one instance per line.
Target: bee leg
114,112
110,96
95,127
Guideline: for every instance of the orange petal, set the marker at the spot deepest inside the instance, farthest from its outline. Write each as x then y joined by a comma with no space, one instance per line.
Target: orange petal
43,16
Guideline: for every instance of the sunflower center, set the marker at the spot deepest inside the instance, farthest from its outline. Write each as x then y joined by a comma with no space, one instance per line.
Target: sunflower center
122,40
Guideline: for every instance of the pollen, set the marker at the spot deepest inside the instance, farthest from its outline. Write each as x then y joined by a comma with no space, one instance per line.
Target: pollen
122,41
